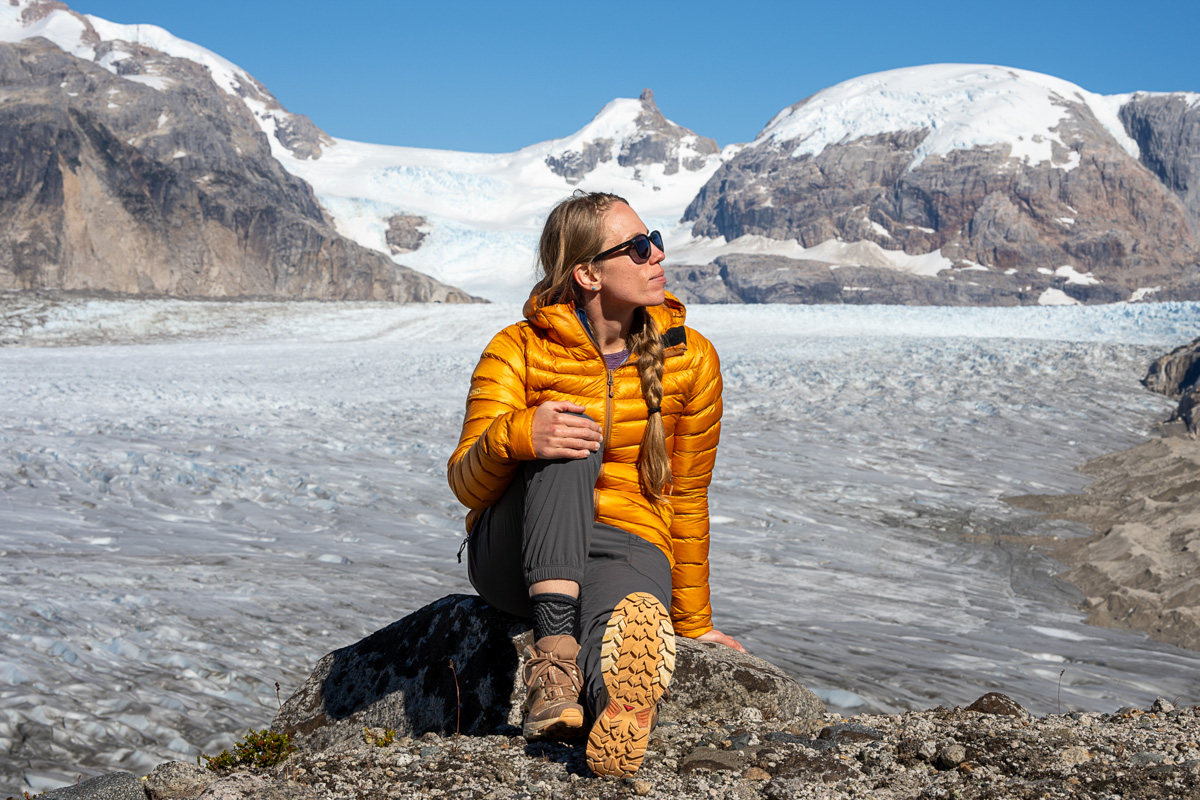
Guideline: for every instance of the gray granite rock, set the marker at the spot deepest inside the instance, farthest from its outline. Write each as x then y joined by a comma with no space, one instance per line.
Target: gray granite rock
454,666
113,786
1167,130
178,780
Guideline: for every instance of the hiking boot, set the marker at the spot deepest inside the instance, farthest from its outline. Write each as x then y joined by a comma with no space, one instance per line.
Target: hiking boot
554,681
637,659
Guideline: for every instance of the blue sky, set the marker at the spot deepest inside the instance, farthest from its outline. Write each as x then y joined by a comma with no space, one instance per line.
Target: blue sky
494,77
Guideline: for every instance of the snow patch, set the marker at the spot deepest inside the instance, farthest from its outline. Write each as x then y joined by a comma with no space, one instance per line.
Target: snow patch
1056,297
1073,276
863,253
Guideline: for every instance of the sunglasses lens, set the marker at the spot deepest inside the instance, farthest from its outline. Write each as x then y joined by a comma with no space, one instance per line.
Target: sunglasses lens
641,246
641,243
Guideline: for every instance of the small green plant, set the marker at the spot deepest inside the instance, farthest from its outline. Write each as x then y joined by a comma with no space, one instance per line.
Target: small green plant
259,749
379,739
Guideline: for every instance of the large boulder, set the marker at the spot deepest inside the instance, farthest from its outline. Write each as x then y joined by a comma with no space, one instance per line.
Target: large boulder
454,666
1177,375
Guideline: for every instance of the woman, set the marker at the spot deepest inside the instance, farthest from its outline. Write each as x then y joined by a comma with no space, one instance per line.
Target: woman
586,453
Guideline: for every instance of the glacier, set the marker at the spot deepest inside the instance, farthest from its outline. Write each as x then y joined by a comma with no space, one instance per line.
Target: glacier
201,499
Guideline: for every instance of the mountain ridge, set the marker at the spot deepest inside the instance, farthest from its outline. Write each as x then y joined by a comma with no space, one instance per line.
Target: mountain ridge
1023,186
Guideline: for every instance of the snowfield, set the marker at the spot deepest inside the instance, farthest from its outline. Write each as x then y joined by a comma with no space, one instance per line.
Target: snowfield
200,499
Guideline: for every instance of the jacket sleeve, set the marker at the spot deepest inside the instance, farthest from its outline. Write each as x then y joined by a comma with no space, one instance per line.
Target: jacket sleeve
695,452
497,428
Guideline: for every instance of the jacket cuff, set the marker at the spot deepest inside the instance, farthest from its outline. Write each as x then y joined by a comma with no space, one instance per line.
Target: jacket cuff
520,433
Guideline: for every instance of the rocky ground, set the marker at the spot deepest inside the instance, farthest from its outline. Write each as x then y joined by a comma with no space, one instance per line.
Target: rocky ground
992,749
1142,568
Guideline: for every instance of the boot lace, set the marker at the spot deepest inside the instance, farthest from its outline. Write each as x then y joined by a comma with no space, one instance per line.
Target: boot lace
555,675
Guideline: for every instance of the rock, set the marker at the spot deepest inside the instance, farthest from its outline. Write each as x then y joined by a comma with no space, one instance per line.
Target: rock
1162,705
238,786
1177,375
997,703
1167,130
712,680
401,677
1073,755
710,759
404,233
756,774
178,780
951,755
777,279
850,732
113,786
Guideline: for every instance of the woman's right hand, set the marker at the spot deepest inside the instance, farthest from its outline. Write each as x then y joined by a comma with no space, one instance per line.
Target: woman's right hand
560,432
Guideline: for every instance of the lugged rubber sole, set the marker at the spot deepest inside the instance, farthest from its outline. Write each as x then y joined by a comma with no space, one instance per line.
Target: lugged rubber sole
637,659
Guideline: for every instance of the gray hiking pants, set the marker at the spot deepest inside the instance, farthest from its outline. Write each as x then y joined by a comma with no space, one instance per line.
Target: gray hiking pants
543,529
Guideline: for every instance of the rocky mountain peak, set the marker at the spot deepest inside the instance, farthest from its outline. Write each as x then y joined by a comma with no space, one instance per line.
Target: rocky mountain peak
984,168
153,57
632,133
138,163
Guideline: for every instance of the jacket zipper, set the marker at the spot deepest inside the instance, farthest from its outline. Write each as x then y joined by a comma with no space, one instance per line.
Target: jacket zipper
608,401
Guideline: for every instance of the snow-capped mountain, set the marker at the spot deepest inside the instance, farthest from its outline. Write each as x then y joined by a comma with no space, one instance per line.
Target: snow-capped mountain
475,217
937,184
1009,181
137,163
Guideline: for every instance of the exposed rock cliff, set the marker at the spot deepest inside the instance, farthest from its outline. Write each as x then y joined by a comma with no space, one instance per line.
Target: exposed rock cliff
149,178
1060,196
1167,130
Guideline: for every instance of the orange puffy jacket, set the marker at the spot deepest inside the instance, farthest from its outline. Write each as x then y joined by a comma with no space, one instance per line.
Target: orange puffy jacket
550,356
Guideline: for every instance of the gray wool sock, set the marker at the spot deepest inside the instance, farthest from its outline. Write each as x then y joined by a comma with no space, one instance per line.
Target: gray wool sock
554,615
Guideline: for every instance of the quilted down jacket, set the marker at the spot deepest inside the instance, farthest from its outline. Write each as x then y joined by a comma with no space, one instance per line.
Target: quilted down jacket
550,356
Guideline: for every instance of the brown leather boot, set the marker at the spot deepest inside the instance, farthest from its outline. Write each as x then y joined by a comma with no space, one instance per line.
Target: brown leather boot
554,681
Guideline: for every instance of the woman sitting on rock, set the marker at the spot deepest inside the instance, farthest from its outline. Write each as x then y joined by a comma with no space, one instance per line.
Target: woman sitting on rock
586,452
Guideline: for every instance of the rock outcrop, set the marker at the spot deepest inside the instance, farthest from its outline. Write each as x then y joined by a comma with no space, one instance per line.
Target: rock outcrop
1089,211
1167,130
646,138
454,667
775,279
151,179
1177,375
404,233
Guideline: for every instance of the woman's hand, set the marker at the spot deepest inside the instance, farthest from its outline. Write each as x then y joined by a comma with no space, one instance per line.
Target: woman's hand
559,431
716,636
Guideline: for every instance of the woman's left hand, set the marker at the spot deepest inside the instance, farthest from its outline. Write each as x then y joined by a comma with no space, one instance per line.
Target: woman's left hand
716,636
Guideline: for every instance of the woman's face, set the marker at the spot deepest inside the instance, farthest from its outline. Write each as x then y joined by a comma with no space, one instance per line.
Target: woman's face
625,280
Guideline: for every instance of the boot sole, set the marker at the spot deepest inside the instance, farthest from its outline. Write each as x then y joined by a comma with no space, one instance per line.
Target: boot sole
637,659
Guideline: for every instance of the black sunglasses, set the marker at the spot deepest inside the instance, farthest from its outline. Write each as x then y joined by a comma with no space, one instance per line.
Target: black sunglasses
640,244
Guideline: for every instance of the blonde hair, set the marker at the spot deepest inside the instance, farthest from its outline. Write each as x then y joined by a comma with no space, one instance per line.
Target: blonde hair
573,234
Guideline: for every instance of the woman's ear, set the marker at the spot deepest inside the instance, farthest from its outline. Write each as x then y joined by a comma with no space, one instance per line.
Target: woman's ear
587,276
